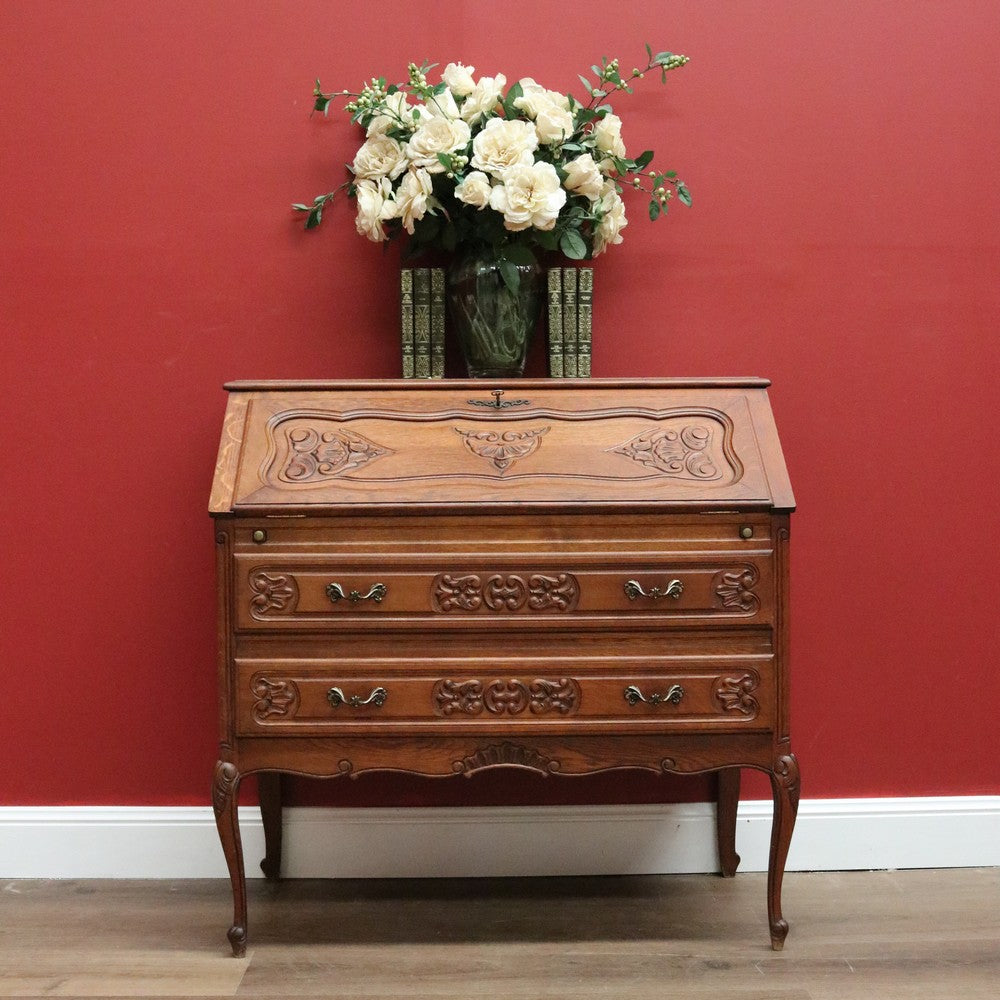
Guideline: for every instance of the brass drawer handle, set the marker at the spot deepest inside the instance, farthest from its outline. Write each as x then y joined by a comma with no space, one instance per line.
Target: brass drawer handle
633,589
336,593
336,698
633,695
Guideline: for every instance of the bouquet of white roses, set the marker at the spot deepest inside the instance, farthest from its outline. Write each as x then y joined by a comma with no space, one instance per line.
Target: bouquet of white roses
471,162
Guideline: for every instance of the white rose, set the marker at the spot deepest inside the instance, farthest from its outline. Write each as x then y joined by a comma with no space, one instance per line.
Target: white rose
534,95
379,156
433,136
397,112
474,189
375,206
583,177
613,219
483,98
412,196
529,196
504,144
459,79
441,106
553,123
608,134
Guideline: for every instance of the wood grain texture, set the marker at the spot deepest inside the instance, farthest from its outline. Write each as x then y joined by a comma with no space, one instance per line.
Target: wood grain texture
919,935
555,577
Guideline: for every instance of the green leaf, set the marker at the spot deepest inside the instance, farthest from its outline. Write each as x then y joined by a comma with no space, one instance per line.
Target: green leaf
445,160
513,94
643,159
547,239
586,85
649,52
671,174
518,253
300,208
573,245
315,217
511,276
654,210
683,195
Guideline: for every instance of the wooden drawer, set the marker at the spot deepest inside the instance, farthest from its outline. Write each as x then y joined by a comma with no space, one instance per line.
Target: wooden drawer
312,697
299,591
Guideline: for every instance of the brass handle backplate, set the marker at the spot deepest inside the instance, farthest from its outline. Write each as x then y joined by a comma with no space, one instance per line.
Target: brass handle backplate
674,694
497,402
336,698
336,593
633,590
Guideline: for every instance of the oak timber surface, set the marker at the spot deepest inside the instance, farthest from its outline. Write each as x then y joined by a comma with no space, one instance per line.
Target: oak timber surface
559,577
922,935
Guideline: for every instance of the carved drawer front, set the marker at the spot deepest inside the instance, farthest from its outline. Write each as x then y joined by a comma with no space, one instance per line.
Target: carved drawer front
296,592
277,698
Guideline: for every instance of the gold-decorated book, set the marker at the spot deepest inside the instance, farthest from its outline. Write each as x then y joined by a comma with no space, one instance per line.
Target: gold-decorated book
421,322
555,322
437,322
406,319
584,320
569,321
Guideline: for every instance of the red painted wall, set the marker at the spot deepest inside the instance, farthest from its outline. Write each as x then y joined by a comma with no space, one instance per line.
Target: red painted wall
844,242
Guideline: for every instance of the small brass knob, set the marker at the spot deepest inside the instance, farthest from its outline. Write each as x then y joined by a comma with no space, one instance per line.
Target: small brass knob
746,531
259,536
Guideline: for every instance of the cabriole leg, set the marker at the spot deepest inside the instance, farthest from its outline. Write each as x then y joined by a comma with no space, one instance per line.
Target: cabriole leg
269,793
225,797
785,787
728,800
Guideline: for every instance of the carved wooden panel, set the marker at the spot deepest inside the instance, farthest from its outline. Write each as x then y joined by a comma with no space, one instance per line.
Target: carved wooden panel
734,693
272,593
309,454
734,588
686,452
274,697
506,697
505,592
502,448
554,446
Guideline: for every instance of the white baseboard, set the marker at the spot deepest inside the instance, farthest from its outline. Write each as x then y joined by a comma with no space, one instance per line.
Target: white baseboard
171,842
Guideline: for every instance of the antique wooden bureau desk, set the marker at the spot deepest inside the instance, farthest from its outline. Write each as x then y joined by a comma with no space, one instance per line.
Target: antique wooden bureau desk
558,576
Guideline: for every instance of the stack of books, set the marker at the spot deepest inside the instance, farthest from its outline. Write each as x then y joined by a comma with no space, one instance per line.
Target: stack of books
571,298
421,321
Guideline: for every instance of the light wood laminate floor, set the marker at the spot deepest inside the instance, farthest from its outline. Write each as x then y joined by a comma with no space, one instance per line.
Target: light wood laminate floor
914,934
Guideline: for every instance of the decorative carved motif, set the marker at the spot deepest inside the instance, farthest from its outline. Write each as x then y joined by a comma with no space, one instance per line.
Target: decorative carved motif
506,697
224,783
502,448
464,593
734,694
272,593
681,454
505,592
735,589
314,455
505,755
273,697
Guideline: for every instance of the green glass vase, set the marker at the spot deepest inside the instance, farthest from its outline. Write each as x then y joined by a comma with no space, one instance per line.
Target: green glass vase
493,324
